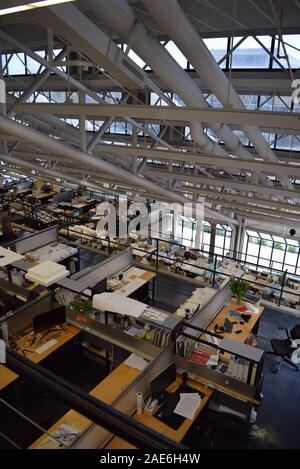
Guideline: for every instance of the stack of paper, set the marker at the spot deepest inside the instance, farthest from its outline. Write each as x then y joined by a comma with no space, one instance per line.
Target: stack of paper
213,360
134,361
188,405
115,303
47,273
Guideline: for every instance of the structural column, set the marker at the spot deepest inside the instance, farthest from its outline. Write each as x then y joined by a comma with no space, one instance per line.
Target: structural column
238,239
213,231
199,228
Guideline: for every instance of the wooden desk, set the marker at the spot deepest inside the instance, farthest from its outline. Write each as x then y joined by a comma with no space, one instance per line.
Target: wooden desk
127,287
84,204
44,195
141,252
246,328
7,376
22,192
155,424
106,391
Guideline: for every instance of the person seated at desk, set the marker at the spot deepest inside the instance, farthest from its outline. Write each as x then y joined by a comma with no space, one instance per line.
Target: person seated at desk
8,232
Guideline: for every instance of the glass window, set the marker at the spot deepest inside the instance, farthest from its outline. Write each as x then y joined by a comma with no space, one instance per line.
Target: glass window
292,43
218,48
250,101
270,138
58,96
16,64
32,66
136,59
177,100
176,54
213,101
155,100
250,54
284,142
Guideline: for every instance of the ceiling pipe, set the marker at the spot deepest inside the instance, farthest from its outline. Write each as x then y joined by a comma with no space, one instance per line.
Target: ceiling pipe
173,20
43,141
55,174
121,18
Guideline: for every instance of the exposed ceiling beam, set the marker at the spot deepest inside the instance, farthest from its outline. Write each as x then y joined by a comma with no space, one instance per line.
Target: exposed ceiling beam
217,182
206,160
282,120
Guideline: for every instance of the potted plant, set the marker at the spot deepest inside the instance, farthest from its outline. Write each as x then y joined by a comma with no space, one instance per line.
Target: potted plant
239,288
81,306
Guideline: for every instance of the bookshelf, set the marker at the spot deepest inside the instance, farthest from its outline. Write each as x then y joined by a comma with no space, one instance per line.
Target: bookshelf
222,363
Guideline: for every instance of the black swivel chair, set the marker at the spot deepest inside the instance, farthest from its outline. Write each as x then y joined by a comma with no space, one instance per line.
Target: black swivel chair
283,347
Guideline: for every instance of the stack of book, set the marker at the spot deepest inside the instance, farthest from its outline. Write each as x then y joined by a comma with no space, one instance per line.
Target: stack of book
159,337
185,346
242,369
64,297
199,357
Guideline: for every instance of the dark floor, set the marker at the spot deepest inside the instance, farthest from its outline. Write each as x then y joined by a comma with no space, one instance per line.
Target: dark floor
278,423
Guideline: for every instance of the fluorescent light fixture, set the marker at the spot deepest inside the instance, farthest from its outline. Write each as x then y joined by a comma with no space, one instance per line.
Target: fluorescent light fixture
31,6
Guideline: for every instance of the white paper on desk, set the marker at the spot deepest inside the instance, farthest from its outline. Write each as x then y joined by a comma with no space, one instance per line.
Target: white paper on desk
188,405
66,434
213,360
2,351
46,346
212,339
113,282
134,361
130,287
251,307
119,304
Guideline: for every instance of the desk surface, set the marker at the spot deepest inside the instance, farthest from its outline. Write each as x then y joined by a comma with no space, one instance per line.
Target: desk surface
55,252
155,424
23,191
7,376
134,278
84,203
140,251
8,257
246,328
106,391
44,195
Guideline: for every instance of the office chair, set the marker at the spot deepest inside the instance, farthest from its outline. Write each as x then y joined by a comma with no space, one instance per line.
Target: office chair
287,349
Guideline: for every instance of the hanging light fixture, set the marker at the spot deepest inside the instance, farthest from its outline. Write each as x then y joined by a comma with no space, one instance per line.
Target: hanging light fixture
31,6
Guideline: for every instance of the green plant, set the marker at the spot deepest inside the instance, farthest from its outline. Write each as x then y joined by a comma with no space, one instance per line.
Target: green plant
81,306
292,249
239,288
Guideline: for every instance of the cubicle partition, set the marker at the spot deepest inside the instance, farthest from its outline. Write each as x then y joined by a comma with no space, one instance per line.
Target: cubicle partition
37,240
65,196
22,318
94,274
208,312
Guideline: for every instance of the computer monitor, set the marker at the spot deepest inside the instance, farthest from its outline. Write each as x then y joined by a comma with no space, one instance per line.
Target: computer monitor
51,318
163,380
100,287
